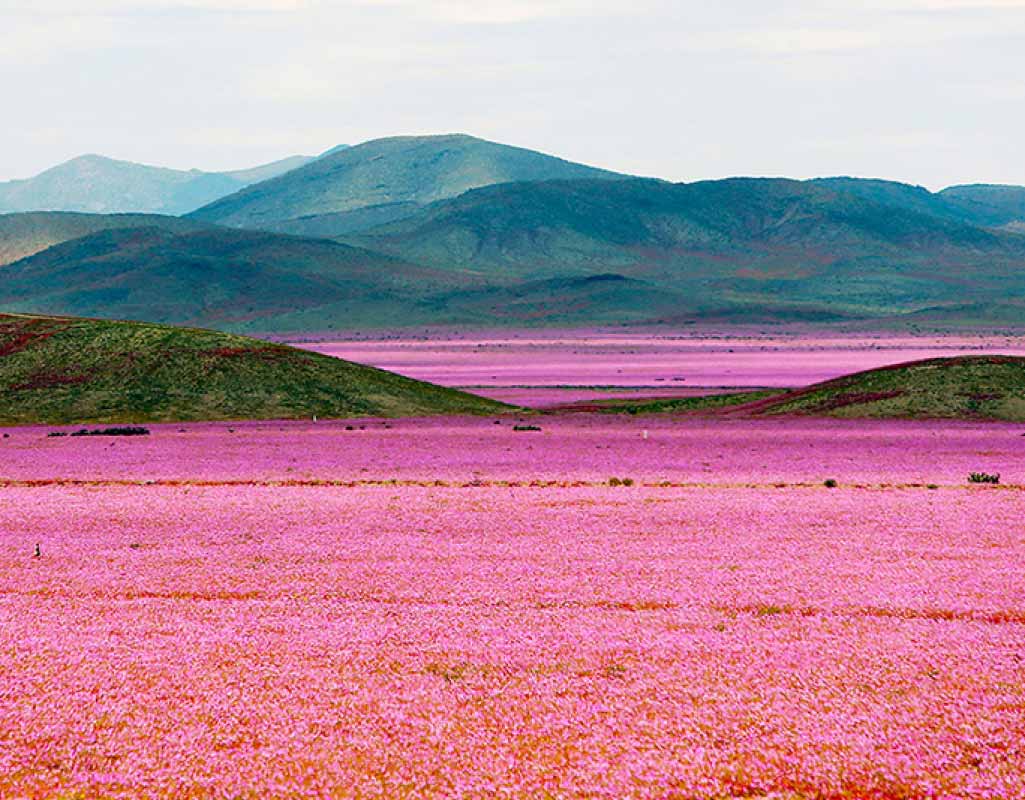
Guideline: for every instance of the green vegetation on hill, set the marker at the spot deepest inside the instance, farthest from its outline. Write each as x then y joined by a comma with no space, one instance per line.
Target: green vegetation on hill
797,249
963,387
219,277
24,235
547,252
65,370
677,405
979,204
901,195
102,185
591,299
401,169
997,205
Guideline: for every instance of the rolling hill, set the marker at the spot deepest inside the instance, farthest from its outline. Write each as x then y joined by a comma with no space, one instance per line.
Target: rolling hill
980,204
592,299
791,246
24,235
100,185
963,387
384,172
63,370
990,387
548,253
1002,206
219,277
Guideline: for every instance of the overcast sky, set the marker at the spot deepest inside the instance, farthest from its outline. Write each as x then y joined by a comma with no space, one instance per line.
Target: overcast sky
927,91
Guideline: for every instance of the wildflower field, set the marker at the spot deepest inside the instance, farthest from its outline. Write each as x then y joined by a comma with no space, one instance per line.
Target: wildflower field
452,608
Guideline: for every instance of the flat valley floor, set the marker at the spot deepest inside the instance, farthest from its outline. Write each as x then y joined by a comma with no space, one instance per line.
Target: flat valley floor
454,608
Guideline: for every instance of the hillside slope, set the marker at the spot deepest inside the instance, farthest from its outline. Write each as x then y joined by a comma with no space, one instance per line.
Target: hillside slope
902,195
404,169
219,277
24,235
983,205
740,243
1002,206
963,387
550,253
62,370
100,185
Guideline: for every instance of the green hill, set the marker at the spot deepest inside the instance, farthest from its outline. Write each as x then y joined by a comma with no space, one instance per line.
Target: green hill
978,204
963,387
101,185
593,299
343,223
904,196
23,235
220,277
738,244
549,253
65,370
402,169
1002,206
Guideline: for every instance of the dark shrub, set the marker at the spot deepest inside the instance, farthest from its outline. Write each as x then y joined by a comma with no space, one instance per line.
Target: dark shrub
122,431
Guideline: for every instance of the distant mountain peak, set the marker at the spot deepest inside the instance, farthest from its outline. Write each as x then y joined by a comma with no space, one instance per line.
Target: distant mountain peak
95,183
418,169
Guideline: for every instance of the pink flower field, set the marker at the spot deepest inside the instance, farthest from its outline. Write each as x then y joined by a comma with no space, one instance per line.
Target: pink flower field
449,608
666,362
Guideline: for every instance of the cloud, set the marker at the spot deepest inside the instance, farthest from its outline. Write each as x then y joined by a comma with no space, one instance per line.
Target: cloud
223,82
455,11
496,12
95,8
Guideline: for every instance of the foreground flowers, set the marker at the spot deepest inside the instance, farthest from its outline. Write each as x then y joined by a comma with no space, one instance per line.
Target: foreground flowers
720,636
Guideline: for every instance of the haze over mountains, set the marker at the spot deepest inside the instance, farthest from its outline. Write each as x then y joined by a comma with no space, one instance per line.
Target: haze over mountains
101,185
453,229
23,235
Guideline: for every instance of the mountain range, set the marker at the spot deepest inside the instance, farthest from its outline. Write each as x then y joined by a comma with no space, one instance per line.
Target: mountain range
452,229
401,174
96,184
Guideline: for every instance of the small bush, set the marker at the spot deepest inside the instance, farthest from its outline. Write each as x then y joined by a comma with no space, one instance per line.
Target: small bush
613,481
931,486
122,431
983,477
526,428
830,483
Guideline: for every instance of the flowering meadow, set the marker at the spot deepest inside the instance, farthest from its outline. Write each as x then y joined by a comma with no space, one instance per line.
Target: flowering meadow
451,608
702,357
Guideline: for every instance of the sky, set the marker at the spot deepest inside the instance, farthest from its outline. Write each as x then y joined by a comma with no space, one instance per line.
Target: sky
924,91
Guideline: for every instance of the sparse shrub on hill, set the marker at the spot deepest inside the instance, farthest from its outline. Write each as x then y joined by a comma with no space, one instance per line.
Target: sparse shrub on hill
64,371
983,477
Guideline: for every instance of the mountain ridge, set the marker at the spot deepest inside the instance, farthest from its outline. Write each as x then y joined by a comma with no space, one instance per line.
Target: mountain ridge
93,183
24,234
397,169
